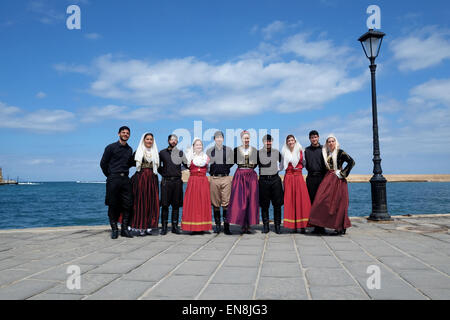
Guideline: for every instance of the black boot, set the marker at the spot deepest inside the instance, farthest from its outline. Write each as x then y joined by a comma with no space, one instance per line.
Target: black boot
218,226
226,225
277,219
114,230
175,216
265,219
164,220
125,232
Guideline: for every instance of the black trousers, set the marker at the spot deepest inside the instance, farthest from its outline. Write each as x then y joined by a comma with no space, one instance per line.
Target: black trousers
171,193
313,183
270,190
119,197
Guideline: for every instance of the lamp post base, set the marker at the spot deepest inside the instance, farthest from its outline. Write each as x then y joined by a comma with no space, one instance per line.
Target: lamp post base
379,203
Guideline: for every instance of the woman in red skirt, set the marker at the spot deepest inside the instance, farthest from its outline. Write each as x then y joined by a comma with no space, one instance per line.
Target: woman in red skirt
197,215
297,205
330,208
145,187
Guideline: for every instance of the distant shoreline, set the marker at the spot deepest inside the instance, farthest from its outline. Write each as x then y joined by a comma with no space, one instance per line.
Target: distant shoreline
353,178
361,178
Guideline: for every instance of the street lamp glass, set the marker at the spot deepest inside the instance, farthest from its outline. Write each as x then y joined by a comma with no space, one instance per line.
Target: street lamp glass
371,47
371,43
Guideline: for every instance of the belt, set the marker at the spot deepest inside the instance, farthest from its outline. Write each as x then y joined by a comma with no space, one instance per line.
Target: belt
122,174
317,173
171,178
245,166
294,172
269,177
220,175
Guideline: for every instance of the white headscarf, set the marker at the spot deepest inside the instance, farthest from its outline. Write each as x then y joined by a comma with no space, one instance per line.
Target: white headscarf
151,155
199,159
291,157
326,153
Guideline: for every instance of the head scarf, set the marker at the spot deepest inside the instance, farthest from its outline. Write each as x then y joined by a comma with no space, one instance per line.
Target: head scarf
291,157
200,159
150,154
327,153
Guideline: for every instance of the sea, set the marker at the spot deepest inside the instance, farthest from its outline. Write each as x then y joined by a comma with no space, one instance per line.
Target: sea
57,204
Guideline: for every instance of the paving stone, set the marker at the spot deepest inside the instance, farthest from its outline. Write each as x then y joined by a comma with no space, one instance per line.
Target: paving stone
149,271
320,262
426,279
170,258
338,293
281,269
25,289
328,277
198,268
282,256
235,275
56,296
8,276
317,250
179,286
353,256
228,292
238,260
121,290
117,266
96,258
281,289
89,284
248,250
60,272
403,263
209,255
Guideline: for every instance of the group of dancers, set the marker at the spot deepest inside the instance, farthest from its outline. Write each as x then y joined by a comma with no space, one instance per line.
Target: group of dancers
320,202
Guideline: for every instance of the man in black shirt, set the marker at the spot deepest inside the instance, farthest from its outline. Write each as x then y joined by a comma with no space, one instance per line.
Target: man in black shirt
221,161
315,164
171,160
116,162
270,185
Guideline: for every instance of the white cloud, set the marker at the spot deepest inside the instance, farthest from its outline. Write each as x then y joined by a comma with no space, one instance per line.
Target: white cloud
435,91
95,114
92,36
41,95
64,67
43,120
408,131
425,48
273,28
45,12
35,162
250,84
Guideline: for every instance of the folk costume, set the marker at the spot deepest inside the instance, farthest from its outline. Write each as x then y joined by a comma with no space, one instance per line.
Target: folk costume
171,160
297,204
115,164
330,208
145,189
197,200
221,161
243,209
270,186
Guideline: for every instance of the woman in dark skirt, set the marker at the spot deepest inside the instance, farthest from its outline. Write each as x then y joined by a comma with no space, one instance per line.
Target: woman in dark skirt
145,187
243,208
330,207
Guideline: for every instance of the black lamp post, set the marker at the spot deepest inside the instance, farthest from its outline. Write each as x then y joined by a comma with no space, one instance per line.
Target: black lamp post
371,43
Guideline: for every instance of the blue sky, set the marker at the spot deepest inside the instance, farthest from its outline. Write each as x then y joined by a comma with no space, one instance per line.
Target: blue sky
159,66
